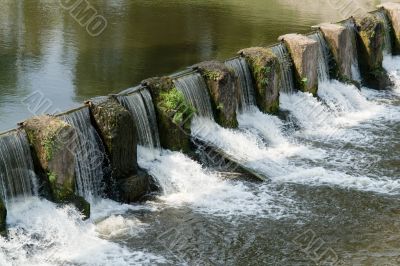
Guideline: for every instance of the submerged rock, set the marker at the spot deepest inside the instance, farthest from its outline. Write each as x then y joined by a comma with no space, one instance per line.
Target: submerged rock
343,48
133,188
52,140
393,12
223,87
266,72
370,42
174,114
118,132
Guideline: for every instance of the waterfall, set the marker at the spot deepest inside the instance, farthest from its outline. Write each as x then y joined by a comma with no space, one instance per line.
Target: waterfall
355,70
195,92
140,105
17,174
89,154
387,39
286,63
323,56
242,71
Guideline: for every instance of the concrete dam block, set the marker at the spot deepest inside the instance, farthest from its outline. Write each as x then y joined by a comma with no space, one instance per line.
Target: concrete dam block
223,87
266,72
342,46
52,142
304,52
118,132
370,44
174,114
393,12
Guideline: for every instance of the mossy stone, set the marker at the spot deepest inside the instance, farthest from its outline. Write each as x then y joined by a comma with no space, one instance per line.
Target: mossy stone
174,114
266,72
223,87
370,40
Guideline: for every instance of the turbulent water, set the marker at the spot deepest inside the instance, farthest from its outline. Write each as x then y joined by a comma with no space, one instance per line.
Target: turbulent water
332,169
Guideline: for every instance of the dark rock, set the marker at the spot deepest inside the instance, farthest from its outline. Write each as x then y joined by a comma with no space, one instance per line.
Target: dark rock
266,71
3,219
370,40
118,132
223,87
134,188
174,114
304,52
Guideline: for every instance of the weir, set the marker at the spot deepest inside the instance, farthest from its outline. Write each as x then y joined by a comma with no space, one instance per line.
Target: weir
17,171
140,105
286,64
246,87
388,31
194,88
355,69
17,175
323,57
89,155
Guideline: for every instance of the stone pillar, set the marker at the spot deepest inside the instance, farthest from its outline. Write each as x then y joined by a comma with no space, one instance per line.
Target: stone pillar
118,132
304,52
174,114
343,48
223,87
52,142
393,12
266,72
370,44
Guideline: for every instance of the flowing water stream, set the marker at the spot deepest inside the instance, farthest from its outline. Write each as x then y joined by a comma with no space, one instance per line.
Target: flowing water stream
332,166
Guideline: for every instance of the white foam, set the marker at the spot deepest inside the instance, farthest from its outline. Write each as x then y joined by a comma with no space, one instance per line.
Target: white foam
42,234
392,66
319,176
185,182
119,227
246,149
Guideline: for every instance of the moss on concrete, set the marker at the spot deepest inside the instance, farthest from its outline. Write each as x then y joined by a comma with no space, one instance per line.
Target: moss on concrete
370,51
174,114
265,68
223,87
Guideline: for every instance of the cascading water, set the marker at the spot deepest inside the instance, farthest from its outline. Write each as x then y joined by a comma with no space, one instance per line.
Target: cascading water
323,57
17,174
286,63
195,91
355,70
140,105
242,71
89,155
387,31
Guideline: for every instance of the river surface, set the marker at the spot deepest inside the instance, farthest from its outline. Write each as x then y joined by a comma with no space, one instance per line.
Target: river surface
334,191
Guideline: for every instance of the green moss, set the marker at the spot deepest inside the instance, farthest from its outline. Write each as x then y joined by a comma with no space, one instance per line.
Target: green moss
212,75
173,102
220,106
52,177
49,147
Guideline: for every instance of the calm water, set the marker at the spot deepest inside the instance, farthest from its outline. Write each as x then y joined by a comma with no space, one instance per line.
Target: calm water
43,48
340,196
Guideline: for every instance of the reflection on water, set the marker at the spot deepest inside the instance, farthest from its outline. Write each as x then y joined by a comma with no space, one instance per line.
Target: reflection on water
43,48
